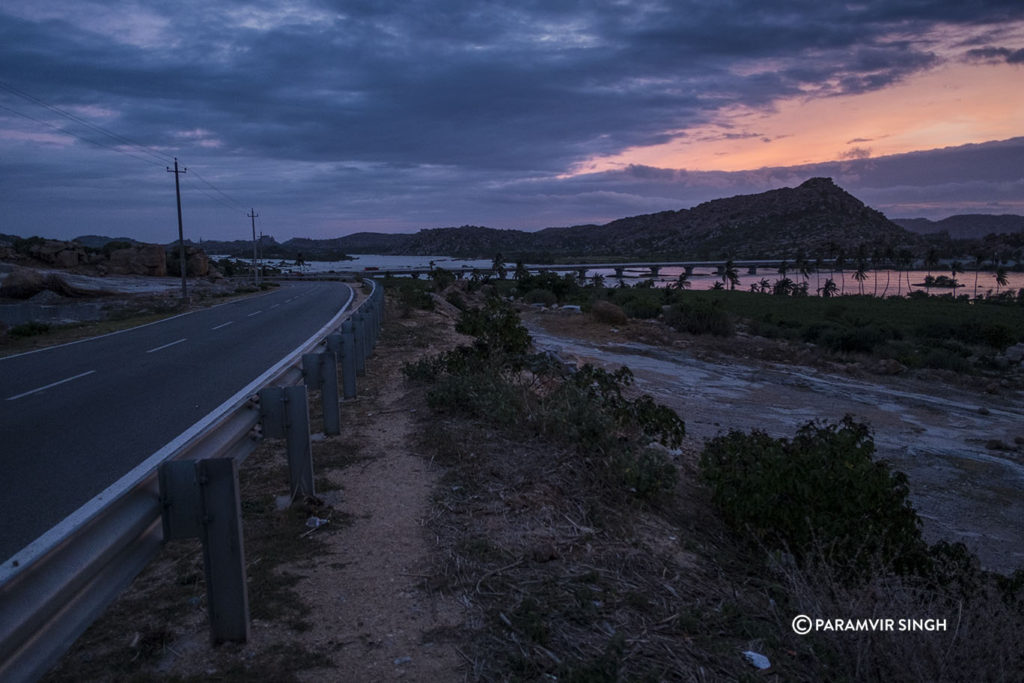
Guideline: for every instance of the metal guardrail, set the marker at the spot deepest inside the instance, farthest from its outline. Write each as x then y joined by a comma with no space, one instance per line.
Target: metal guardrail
58,585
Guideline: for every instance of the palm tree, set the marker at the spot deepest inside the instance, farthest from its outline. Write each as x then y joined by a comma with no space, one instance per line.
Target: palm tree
931,259
729,275
861,274
803,266
1000,276
979,261
817,273
521,272
765,285
889,254
682,282
598,280
954,268
718,285
905,258
829,290
840,262
498,266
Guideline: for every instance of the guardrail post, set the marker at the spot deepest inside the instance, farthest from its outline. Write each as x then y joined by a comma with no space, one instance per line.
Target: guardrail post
285,414
367,333
348,360
311,373
329,393
320,371
359,332
201,499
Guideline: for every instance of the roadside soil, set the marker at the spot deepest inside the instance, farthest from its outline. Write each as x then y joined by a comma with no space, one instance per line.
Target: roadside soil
423,561
346,601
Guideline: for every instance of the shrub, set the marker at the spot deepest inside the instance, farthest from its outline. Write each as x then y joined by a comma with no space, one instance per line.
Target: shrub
819,493
541,296
609,435
638,303
608,313
497,328
456,300
414,295
700,316
29,329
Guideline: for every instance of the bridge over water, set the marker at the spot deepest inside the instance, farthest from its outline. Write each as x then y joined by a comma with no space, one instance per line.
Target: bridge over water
653,268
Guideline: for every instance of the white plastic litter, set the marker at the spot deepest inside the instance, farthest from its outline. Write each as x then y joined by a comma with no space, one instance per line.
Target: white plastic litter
758,660
316,522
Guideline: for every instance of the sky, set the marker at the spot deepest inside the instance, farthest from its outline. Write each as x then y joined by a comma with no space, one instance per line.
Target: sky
329,117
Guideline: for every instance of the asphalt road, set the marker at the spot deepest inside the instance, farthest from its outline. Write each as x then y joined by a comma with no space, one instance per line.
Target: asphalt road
75,418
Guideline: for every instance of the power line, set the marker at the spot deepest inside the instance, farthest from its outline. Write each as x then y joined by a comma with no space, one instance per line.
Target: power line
215,198
235,204
123,142
75,135
88,124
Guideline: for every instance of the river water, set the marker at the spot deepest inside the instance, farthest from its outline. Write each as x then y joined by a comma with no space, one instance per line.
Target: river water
878,283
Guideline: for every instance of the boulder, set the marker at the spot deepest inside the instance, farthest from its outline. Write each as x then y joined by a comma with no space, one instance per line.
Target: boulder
889,366
22,283
67,258
141,259
1015,353
198,263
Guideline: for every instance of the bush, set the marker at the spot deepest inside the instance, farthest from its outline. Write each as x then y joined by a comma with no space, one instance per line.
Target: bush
541,296
638,303
609,435
700,316
456,300
412,294
608,313
821,493
29,329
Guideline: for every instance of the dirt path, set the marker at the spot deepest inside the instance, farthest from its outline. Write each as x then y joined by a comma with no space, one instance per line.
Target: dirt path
344,602
371,605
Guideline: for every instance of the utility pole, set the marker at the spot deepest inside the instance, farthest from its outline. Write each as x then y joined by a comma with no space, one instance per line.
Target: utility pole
253,215
181,239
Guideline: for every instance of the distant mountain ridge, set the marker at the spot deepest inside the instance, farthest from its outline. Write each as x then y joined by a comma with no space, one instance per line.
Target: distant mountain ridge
816,217
965,226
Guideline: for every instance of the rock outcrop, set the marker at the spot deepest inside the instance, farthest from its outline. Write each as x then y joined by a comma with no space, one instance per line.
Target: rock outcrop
141,259
22,283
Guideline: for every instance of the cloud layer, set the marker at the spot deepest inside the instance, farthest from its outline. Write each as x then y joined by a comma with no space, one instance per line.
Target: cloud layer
336,116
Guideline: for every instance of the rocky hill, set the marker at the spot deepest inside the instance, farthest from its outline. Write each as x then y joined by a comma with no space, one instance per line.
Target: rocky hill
817,218
965,226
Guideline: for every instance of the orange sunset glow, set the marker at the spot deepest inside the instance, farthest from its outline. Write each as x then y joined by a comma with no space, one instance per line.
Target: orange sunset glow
954,104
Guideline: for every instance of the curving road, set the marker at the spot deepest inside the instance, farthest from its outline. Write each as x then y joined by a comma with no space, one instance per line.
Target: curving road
75,418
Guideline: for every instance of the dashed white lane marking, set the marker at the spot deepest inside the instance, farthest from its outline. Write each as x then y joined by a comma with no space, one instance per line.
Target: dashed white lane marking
253,313
36,391
161,348
275,305
230,322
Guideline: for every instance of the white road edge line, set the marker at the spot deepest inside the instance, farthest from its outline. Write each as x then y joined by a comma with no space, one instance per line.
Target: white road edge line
161,348
36,391
230,322
27,556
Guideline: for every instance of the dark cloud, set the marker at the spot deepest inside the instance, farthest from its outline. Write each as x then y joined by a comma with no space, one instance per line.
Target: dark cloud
995,55
334,113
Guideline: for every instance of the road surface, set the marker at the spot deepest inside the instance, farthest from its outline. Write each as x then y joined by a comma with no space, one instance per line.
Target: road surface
75,418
